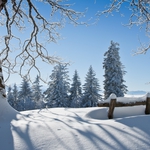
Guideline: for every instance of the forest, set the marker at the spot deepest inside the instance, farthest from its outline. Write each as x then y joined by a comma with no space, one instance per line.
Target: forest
62,92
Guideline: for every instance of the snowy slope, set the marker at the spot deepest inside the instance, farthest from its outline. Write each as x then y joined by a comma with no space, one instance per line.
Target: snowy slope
74,129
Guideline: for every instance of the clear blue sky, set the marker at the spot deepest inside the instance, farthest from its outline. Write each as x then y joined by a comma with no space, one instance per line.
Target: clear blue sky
84,46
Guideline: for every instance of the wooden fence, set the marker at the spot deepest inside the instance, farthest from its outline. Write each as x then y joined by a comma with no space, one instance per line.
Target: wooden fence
113,103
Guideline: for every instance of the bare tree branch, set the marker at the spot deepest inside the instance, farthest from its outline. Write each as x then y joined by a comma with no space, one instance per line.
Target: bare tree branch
140,15
24,15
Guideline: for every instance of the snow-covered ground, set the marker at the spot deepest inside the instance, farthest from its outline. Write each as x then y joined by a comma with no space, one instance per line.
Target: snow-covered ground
74,129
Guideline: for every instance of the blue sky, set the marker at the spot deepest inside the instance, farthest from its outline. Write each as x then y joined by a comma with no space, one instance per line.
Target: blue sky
83,46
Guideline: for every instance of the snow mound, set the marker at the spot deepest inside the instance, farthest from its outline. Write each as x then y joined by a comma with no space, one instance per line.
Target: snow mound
100,114
119,112
7,113
112,96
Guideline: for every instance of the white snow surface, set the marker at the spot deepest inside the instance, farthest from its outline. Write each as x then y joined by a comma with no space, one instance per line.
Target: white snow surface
127,98
112,96
74,129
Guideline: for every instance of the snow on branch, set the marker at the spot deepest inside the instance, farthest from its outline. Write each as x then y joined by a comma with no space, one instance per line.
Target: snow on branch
24,15
139,15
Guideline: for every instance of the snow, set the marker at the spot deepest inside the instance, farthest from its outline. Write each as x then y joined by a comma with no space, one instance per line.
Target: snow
7,113
127,98
148,95
74,129
112,96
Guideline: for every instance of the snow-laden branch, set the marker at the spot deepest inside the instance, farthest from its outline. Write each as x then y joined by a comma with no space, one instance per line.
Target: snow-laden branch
139,15
24,15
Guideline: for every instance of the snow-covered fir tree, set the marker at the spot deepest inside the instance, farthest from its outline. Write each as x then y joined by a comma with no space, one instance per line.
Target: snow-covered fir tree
10,97
37,93
57,93
15,96
91,89
25,96
114,71
75,91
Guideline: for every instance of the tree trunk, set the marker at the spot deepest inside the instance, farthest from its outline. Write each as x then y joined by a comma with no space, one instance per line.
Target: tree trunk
2,4
2,85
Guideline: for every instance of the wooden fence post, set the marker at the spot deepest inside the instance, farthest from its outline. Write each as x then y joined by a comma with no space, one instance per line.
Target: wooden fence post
147,109
112,105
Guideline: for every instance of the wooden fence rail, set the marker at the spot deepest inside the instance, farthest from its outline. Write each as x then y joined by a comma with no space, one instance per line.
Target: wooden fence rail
113,103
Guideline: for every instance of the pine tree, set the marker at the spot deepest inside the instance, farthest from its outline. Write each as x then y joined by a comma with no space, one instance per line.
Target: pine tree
91,89
25,96
37,93
15,96
10,97
75,91
114,71
57,93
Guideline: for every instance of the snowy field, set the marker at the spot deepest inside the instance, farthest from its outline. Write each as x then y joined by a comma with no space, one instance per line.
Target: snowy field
74,129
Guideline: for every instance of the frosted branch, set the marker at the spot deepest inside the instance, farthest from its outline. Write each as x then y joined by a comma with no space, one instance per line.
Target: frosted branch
29,51
139,16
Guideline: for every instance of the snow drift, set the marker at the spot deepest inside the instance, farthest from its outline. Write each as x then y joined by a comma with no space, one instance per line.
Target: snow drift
74,129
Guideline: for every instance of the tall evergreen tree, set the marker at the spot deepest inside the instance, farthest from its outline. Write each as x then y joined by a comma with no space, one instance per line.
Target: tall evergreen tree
15,96
37,93
57,92
91,89
114,71
75,91
25,95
